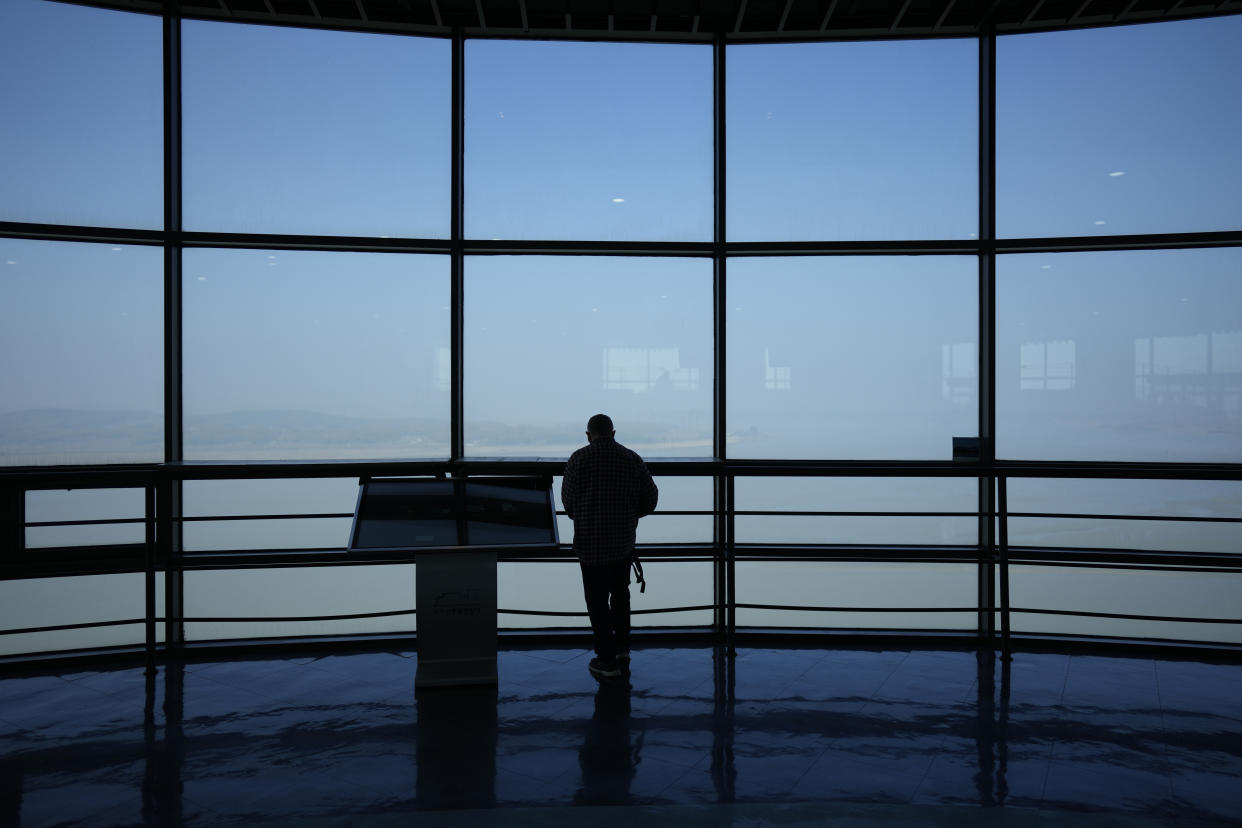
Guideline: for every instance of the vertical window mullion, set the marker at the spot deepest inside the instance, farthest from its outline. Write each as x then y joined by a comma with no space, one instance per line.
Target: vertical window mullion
457,445
987,330
169,526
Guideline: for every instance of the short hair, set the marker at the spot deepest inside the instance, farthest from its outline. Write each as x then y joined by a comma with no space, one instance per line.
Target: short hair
600,425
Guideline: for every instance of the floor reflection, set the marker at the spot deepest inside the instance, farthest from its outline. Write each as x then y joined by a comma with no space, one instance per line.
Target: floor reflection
456,756
610,754
346,738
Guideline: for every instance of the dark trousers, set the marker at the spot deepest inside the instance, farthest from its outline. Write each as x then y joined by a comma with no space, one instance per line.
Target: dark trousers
607,590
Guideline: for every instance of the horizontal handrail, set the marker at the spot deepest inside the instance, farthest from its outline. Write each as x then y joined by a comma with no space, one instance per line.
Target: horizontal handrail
85,625
1128,616
353,616
801,608
1089,516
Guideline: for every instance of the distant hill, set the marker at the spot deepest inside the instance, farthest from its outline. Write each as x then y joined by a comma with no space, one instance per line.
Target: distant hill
55,436
47,436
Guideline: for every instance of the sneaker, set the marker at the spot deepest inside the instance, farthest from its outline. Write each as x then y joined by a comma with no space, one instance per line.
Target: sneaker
604,669
623,657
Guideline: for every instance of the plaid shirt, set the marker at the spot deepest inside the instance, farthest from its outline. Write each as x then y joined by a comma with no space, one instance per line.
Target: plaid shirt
606,489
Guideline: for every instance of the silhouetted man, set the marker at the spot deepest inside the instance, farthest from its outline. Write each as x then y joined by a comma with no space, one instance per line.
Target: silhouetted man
606,489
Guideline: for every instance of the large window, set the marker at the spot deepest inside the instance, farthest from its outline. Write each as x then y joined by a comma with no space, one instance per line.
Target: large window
81,380
1132,355
853,141
552,340
763,260
588,141
851,357
82,140
303,131
295,355
1132,129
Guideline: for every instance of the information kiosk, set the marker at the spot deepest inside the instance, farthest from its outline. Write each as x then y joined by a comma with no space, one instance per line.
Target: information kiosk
454,529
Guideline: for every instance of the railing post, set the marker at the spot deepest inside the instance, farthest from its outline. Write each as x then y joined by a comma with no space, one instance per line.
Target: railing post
168,537
1003,548
149,542
730,565
13,519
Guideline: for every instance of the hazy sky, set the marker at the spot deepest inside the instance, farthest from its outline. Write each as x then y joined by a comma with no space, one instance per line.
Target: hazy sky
1102,131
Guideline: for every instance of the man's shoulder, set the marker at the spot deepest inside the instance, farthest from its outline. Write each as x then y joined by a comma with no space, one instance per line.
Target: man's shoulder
579,454
630,454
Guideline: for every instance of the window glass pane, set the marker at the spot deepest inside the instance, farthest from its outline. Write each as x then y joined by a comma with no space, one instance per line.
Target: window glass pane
679,494
222,498
85,504
1133,356
292,355
853,140
851,357
551,340
1129,591
298,592
556,586
1171,498
290,130
862,585
856,494
48,602
588,140
1125,129
81,90
81,330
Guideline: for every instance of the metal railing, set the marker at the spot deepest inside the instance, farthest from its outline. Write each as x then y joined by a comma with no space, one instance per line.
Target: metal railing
161,552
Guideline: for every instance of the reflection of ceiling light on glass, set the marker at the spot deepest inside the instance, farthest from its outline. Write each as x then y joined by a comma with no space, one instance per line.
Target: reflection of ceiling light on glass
594,310
664,296
618,201
1045,267
10,261
116,249
1185,299
202,278
271,257
1117,174
970,235
1101,222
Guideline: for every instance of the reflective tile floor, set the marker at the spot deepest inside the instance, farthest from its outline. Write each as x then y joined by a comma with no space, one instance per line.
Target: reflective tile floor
783,737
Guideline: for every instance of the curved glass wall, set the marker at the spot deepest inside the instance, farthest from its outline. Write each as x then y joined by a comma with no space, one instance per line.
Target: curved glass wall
763,260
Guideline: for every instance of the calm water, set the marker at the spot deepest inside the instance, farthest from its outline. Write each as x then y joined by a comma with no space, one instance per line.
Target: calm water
556,586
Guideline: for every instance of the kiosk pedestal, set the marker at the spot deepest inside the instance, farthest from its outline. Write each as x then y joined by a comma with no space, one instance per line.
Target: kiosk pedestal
456,617
454,529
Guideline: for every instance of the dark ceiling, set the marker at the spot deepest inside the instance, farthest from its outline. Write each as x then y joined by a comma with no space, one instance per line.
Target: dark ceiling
692,19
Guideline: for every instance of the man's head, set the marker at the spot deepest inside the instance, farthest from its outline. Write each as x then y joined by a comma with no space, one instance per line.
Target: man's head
599,426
